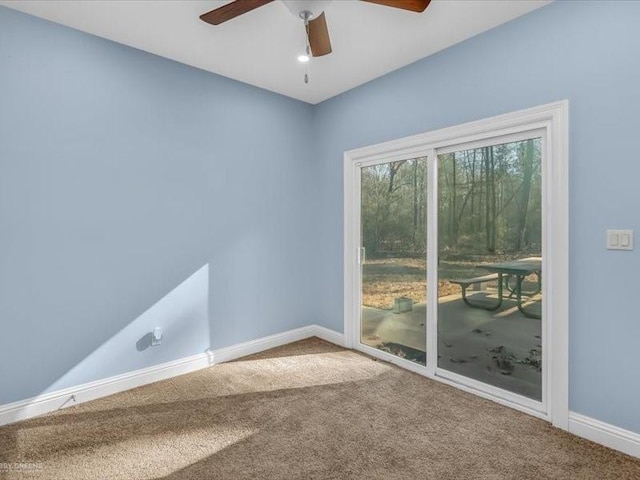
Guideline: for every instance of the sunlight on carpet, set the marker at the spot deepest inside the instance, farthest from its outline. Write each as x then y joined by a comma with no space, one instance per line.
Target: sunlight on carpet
307,410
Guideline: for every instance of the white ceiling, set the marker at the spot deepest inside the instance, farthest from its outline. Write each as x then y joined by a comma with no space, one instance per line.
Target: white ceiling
260,47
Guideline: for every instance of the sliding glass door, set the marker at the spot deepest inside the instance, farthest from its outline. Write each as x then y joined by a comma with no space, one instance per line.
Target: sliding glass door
393,258
490,287
476,317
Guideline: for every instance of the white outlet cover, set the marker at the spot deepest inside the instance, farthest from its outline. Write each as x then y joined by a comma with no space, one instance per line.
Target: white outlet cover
156,336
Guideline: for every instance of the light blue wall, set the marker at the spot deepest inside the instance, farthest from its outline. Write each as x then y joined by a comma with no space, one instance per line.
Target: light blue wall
587,52
136,191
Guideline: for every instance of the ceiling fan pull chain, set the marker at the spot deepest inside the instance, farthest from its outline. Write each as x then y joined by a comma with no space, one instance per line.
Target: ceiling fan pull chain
307,50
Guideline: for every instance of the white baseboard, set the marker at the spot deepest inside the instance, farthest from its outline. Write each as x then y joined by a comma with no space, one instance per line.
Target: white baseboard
605,434
68,397
265,343
329,335
261,344
49,402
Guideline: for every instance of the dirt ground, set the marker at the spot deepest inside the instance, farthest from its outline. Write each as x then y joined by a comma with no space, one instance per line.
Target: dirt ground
385,279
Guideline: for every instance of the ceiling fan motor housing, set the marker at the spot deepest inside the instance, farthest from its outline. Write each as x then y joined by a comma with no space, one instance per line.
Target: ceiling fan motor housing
299,7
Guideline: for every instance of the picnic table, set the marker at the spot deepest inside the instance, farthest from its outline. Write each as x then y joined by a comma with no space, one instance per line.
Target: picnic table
510,274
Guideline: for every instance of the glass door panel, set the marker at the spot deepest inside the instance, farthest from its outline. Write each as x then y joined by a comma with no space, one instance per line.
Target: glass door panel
490,265
393,258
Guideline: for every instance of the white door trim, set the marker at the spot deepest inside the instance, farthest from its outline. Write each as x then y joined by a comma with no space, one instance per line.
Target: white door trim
553,118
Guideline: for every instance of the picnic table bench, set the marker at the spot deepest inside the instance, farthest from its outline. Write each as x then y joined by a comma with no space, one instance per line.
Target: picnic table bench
519,269
467,282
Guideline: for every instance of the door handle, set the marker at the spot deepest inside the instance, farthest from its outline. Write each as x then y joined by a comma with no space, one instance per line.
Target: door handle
361,255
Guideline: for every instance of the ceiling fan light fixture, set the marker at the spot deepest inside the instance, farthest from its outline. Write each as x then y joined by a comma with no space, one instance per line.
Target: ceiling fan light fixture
312,7
312,14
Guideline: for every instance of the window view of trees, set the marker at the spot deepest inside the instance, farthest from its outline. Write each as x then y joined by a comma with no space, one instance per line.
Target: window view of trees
489,210
394,208
394,213
490,199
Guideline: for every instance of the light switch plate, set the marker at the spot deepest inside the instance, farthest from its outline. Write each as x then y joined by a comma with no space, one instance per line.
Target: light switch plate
619,239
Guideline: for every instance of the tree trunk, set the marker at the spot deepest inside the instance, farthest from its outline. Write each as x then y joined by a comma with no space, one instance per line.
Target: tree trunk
490,199
393,170
526,153
494,199
454,216
473,186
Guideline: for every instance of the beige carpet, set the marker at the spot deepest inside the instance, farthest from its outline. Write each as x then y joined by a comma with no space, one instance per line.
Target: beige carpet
309,410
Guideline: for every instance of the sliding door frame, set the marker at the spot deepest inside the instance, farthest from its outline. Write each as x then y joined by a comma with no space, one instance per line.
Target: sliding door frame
549,121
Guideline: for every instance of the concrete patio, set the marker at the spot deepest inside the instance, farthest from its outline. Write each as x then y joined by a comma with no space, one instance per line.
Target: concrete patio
501,348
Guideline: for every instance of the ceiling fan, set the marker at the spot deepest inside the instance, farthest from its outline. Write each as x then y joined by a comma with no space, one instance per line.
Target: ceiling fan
310,11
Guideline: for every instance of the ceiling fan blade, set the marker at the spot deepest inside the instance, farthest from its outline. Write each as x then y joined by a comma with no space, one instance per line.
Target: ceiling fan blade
318,34
231,10
412,5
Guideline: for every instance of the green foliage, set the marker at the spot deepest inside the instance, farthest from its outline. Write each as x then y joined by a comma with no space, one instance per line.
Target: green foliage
394,207
490,199
489,202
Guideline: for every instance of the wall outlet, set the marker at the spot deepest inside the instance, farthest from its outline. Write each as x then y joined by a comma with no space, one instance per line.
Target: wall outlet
156,337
